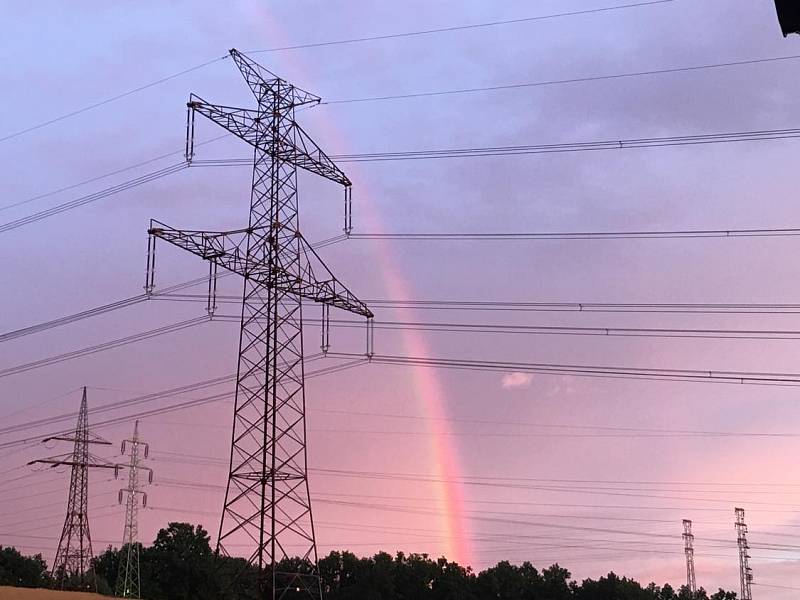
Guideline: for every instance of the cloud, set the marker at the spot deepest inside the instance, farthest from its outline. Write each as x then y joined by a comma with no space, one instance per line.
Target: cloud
516,380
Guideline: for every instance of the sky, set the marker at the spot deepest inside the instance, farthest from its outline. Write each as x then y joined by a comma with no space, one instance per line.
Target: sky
480,466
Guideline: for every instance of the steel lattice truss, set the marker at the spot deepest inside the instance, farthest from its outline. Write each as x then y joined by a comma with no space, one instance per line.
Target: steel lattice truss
73,561
129,582
745,571
267,506
688,540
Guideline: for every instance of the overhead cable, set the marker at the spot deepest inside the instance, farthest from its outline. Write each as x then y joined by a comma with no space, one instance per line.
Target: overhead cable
688,375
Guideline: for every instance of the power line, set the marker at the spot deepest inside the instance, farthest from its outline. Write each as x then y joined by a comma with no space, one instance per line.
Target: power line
624,507
689,375
171,407
433,154
473,328
518,435
109,100
97,310
553,82
565,484
93,197
577,235
205,384
115,343
83,182
65,320
777,587
161,80
632,430
453,28
612,307
608,432
434,326
659,493
620,144
126,403
530,149
477,513
577,306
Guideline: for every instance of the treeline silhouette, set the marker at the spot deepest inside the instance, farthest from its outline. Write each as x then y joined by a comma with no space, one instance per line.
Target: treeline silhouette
180,565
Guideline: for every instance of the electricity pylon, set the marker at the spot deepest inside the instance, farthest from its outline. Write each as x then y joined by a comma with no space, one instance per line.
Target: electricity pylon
745,572
129,581
74,555
688,540
267,507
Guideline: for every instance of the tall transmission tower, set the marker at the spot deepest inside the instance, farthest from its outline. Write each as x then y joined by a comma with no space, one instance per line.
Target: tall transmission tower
688,541
129,581
745,572
267,506
73,561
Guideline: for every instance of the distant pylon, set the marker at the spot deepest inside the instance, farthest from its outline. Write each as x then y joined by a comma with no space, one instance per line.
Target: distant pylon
745,572
129,581
74,555
688,539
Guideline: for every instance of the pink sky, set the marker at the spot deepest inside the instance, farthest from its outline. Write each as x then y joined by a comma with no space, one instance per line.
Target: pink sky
478,466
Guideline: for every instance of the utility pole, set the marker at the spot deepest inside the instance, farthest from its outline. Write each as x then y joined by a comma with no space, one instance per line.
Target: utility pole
745,572
267,508
129,582
74,555
688,540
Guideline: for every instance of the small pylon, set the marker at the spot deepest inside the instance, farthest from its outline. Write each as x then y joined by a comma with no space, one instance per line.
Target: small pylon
688,539
73,562
129,581
745,572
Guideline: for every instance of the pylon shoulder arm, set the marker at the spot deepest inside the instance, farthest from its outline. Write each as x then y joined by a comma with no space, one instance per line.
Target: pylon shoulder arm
225,248
241,122
295,146
70,438
317,283
303,152
71,463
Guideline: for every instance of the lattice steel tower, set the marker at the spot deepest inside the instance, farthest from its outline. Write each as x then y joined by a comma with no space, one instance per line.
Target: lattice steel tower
688,541
73,561
745,572
129,581
267,507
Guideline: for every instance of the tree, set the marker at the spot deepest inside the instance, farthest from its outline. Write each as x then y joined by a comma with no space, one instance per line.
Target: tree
555,582
453,582
22,571
181,565
612,587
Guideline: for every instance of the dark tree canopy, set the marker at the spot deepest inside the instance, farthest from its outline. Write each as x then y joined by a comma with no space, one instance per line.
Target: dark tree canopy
22,571
181,565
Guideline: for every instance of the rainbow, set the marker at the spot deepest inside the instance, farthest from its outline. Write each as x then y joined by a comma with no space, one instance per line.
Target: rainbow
428,390
427,387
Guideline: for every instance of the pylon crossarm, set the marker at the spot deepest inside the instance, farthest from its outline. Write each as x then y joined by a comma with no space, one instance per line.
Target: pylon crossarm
318,283
72,463
70,438
294,146
304,153
241,122
226,249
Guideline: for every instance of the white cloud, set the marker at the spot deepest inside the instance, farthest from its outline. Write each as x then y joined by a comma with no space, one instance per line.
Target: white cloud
516,380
